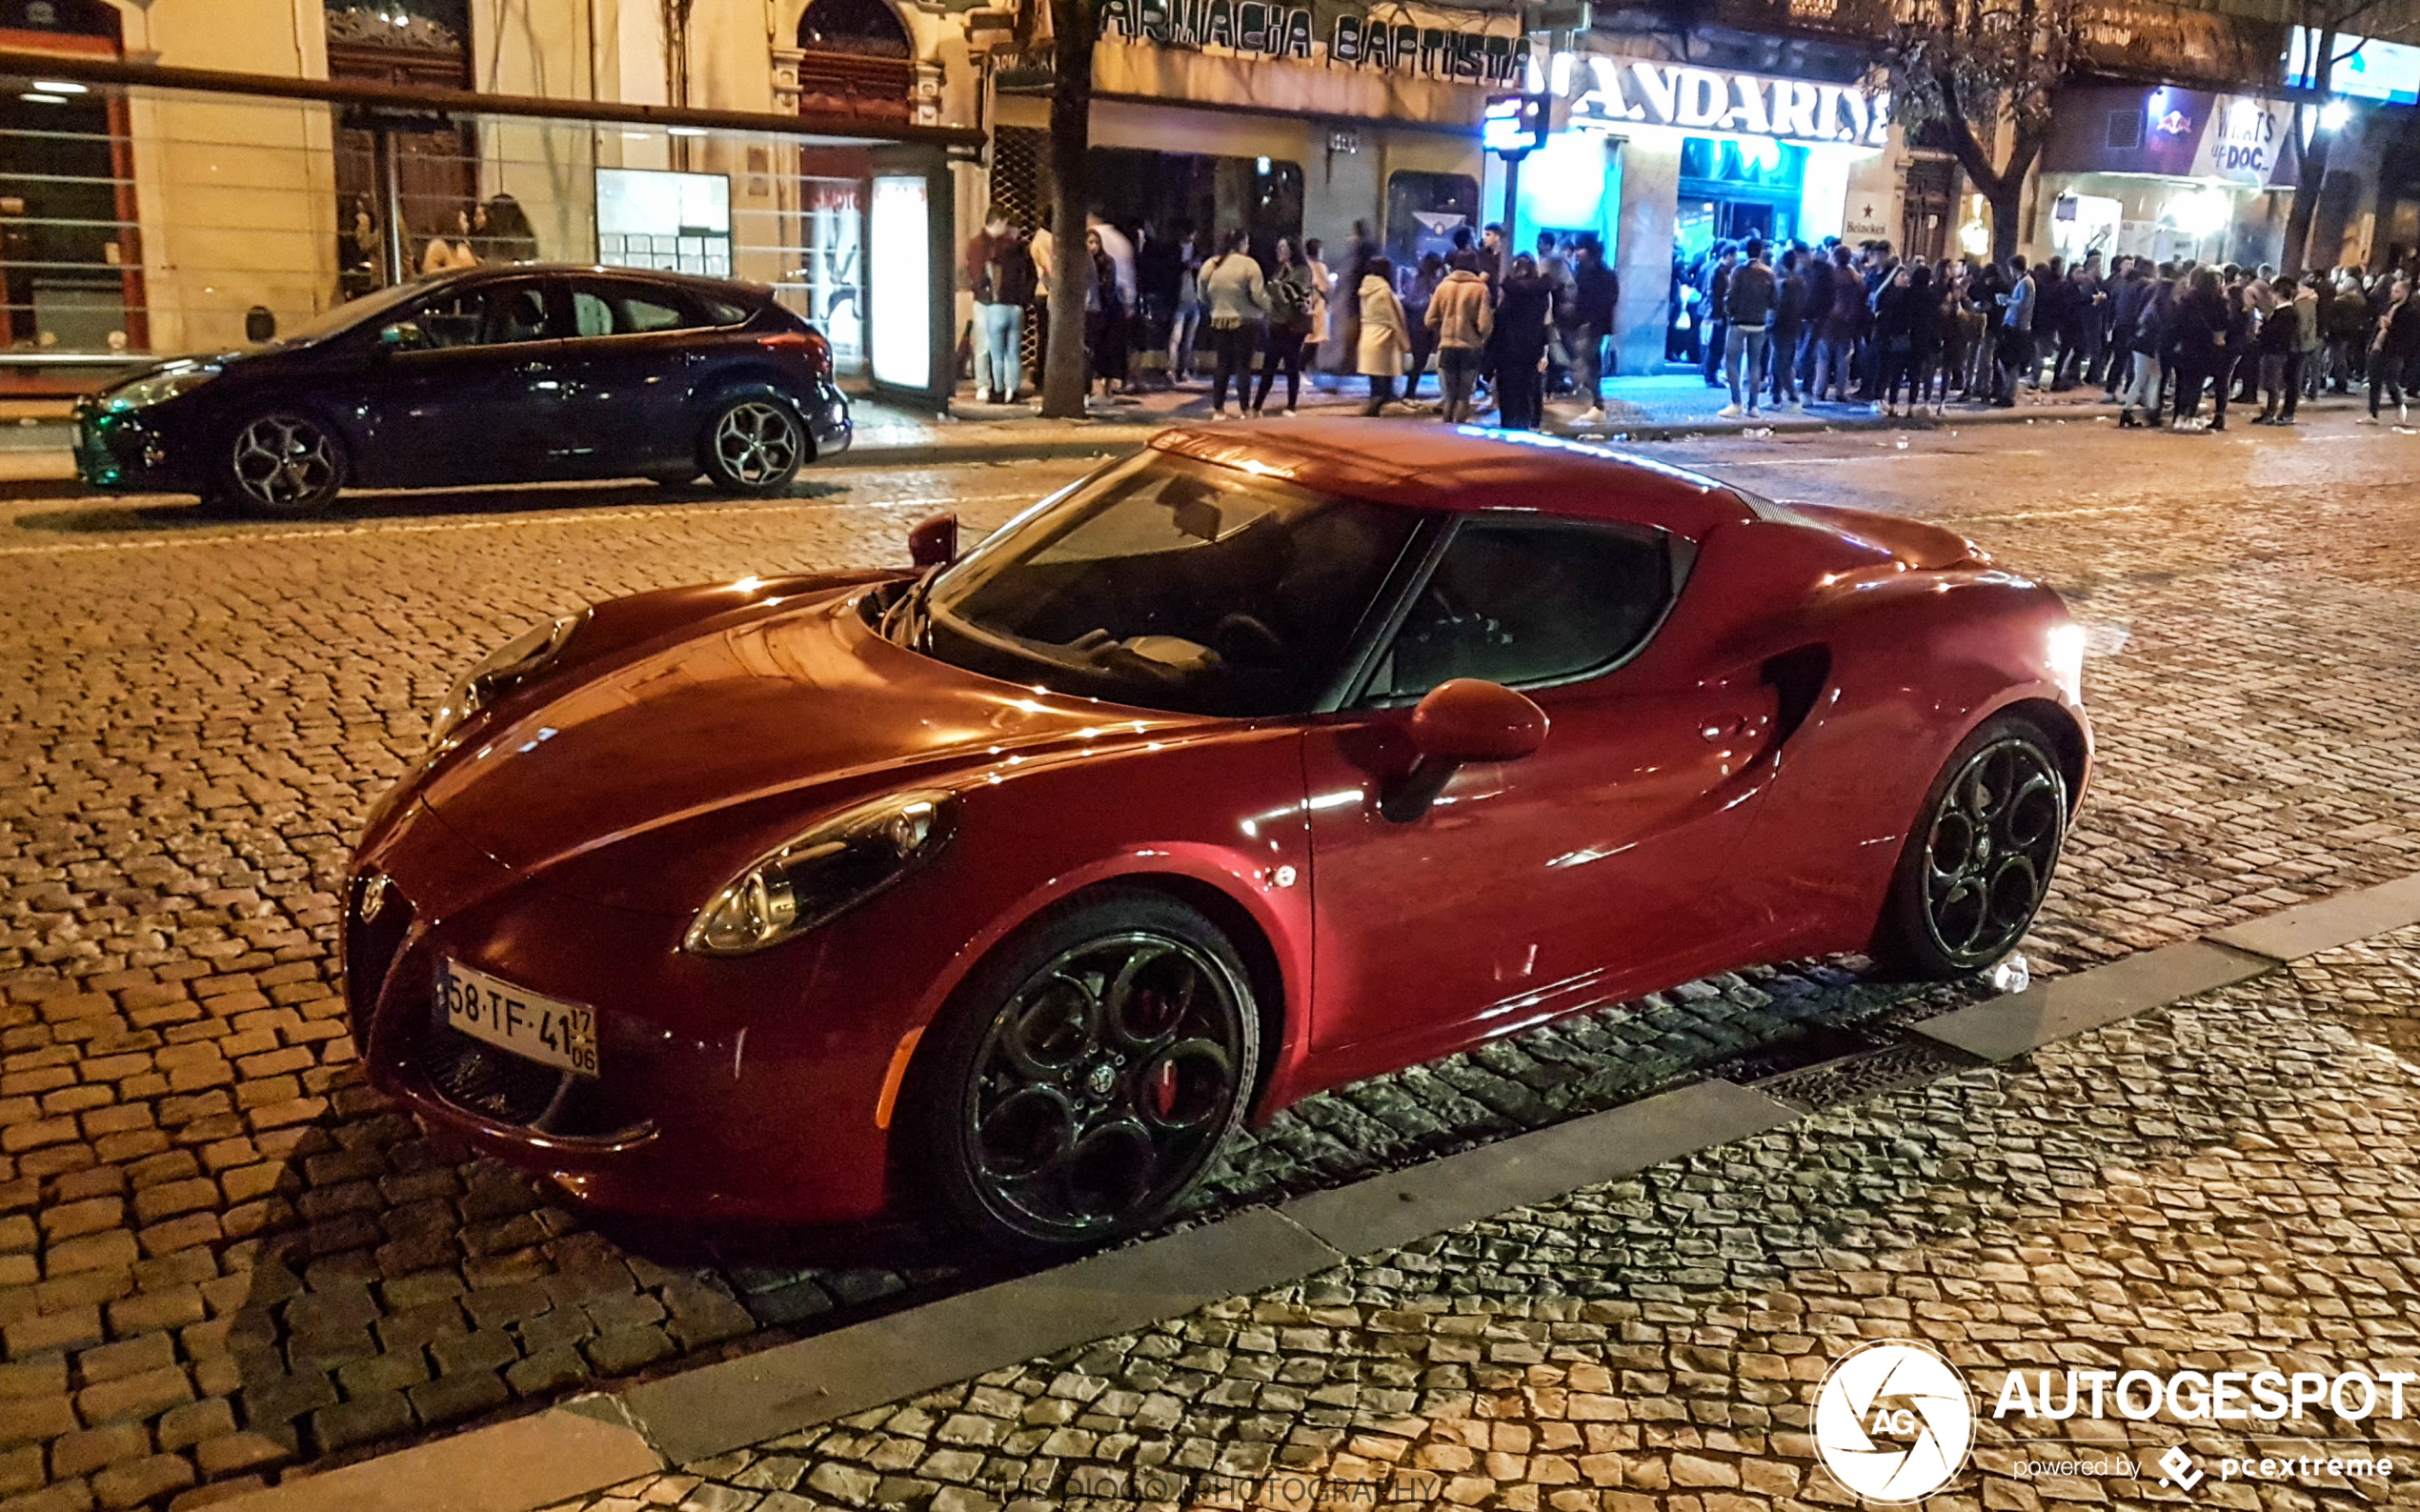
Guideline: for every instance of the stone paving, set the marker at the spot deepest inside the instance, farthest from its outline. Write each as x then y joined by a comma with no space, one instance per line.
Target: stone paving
221,1257
2224,1184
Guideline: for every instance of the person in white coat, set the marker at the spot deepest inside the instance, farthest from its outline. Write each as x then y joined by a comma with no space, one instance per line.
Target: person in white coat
1322,285
1385,334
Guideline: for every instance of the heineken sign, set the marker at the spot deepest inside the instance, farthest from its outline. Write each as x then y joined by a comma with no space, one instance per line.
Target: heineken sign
1615,93
1426,44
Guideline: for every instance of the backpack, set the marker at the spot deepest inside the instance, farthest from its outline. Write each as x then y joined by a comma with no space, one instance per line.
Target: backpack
1289,300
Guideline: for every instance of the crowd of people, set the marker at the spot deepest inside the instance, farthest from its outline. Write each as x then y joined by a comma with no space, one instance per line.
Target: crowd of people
1780,324
1512,329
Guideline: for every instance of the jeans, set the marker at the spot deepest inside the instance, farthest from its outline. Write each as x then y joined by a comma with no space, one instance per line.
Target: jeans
1235,346
2387,376
2280,384
999,357
1832,369
1519,398
1457,371
2143,386
2017,364
1285,351
1382,389
1715,331
1749,346
1588,362
1182,330
1785,355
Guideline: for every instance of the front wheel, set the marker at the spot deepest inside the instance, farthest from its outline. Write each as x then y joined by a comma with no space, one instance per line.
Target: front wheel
753,444
1079,1084
283,465
1977,867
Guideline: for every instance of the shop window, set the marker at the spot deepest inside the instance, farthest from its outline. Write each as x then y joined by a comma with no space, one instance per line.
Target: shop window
67,226
1424,210
856,59
2125,129
88,18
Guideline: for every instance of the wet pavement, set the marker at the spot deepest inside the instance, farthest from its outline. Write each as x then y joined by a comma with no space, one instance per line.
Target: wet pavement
220,1256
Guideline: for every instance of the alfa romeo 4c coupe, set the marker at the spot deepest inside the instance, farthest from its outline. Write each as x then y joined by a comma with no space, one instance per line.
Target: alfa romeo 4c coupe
994,894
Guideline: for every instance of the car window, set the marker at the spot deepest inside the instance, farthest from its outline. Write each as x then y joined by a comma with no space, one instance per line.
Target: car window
1173,584
484,316
591,315
1524,604
723,313
613,309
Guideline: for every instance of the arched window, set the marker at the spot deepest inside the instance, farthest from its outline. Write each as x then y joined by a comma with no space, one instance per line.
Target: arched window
855,60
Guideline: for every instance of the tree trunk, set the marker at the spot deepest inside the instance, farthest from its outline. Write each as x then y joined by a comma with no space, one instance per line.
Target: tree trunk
2313,176
1074,26
2005,199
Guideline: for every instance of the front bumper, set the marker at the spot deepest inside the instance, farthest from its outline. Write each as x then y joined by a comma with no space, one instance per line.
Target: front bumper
714,1098
122,450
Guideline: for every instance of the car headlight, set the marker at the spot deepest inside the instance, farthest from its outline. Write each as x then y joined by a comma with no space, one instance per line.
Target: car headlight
2064,652
824,873
159,387
500,671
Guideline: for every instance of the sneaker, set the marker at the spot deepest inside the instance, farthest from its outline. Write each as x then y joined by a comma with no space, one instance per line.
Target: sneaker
1728,411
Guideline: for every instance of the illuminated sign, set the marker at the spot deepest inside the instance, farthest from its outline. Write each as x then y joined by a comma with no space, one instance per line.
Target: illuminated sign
1513,124
899,248
1421,42
2363,68
2240,143
1615,93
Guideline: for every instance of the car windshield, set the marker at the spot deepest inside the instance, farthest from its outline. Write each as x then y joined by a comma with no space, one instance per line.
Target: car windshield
345,316
1171,584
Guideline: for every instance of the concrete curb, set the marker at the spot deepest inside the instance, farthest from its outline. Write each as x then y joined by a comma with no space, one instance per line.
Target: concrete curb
604,1438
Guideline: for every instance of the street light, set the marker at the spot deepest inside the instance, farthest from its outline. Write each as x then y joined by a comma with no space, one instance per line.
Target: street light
2333,116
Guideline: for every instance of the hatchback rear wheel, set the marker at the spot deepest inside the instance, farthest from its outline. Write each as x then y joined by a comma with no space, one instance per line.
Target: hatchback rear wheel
753,443
1077,1087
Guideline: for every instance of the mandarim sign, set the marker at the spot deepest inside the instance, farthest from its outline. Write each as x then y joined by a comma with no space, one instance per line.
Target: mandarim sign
1609,93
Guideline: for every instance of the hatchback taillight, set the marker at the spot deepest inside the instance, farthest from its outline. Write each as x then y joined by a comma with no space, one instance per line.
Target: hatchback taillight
807,344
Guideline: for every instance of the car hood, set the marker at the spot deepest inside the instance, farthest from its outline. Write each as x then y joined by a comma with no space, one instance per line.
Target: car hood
726,742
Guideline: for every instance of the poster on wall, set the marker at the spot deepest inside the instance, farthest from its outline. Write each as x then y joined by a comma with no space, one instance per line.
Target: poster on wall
654,218
899,250
2174,132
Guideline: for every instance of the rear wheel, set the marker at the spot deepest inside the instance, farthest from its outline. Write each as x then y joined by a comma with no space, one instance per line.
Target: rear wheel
1079,1084
753,443
283,465
1978,865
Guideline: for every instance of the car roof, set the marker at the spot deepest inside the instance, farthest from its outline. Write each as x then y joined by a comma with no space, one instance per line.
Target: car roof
727,288
1425,465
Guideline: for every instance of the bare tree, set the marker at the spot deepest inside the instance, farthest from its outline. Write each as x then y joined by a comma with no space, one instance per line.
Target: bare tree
1075,30
2326,27
1975,67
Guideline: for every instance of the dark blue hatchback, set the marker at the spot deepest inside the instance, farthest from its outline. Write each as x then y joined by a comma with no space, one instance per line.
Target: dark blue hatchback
512,375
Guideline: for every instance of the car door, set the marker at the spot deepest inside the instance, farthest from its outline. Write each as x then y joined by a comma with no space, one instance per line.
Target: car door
471,392
1535,887
628,366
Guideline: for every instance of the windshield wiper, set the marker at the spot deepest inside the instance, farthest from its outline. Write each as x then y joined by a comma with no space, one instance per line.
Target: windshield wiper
912,619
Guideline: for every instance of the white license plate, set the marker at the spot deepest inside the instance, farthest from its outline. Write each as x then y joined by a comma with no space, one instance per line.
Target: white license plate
552,1032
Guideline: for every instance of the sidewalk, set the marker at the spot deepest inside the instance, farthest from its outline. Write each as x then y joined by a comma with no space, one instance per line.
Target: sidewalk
35,448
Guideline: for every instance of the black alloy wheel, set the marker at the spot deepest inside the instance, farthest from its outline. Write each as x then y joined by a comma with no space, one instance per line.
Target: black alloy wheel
284,464
1085,1082
753,444
1978,866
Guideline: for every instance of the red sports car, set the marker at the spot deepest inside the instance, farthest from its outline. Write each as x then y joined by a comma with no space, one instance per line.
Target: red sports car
998,893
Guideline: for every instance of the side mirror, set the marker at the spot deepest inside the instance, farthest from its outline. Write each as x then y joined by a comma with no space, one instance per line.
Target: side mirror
1459,722
934,541
401,336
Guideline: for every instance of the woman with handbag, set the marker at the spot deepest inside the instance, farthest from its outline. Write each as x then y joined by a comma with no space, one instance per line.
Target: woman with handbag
1385,335
1292,303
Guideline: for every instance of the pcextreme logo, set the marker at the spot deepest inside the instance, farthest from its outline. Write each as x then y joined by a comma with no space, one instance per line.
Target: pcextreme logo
1893,1422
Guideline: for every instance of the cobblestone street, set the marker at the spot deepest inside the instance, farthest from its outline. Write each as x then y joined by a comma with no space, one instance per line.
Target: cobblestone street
222,1258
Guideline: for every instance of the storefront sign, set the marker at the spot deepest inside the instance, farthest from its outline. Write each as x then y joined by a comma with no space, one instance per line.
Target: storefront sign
1613,92
2174,132
2360,66
1413,41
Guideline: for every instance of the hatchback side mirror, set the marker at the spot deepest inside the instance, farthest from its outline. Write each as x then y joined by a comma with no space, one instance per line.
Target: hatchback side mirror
934,541
401,336
1459,722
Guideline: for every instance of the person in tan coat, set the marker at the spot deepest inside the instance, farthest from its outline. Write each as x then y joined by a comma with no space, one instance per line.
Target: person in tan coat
1385,335
1461,315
